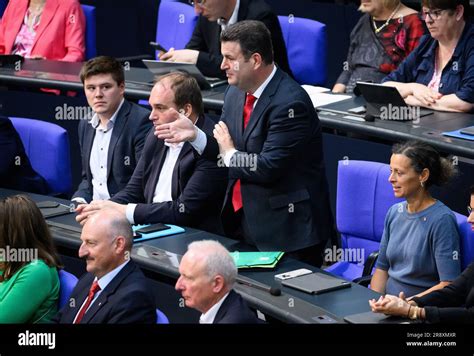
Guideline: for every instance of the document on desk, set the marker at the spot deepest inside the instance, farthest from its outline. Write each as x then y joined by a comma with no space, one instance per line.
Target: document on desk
321,96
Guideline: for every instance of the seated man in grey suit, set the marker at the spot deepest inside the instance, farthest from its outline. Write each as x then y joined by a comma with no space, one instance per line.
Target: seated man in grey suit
114,290
112,140
207,276
172,183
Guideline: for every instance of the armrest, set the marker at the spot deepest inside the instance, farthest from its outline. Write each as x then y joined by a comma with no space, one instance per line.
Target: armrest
363,281
370,263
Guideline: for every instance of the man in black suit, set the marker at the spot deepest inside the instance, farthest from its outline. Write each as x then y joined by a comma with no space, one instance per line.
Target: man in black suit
270,138
172,183
207,275
112,140
215,15
15,168
114,290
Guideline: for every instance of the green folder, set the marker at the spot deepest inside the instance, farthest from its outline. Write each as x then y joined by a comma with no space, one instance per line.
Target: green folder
256,259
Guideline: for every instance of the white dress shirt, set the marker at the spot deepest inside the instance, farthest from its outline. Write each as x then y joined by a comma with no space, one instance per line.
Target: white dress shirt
209,316
103,283
233,19
165,180
200,142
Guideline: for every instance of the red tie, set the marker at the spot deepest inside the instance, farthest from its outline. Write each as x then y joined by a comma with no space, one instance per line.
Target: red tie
236,193
94,289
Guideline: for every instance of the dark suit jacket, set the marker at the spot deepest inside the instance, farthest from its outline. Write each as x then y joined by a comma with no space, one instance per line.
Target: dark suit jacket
234,310
128,137
12,175
452,304
198,186
206,37
285,199
127,299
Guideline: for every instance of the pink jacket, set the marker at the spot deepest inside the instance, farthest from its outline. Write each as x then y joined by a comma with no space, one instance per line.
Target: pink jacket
60,34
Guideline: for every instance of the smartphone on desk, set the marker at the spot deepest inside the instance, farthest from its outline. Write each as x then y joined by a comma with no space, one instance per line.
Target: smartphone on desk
468,131
158,47
152,228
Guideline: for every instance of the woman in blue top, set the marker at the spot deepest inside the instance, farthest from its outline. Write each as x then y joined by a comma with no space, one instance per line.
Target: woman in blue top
419,251
439,73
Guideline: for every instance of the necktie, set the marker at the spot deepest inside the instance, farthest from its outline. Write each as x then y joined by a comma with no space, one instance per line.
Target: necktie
94,289
236,193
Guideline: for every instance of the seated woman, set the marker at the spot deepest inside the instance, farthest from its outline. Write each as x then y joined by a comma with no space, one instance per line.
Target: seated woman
379,42
453,303
420,234
439,73
49,29
29,282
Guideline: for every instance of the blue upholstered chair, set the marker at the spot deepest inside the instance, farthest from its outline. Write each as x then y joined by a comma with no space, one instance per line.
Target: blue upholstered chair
3,5
176,22
306,45
47,147
67,283
89,13
161,318
364,196
467,240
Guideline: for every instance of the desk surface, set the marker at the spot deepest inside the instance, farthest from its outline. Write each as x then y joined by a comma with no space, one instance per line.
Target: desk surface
65,76
163,255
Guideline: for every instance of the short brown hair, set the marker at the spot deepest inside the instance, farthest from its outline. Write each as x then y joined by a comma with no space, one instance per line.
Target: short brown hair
103,65
22,226
186,90
447,5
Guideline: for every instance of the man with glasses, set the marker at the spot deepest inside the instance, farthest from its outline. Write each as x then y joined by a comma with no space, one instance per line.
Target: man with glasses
215,16
439,73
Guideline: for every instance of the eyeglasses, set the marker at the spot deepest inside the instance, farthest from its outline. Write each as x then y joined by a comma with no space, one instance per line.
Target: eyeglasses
197,2
432,14
469,210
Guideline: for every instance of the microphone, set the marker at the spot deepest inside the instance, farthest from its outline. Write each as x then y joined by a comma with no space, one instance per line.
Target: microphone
275,291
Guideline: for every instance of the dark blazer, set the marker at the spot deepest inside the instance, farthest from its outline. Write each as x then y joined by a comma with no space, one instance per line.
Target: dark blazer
128,137
206,37
452,304
198,186
285,194
12,175
127,299
234,310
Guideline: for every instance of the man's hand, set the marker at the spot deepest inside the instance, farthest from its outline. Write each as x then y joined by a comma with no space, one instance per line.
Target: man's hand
180,55
390,305
85,210
223,138
339,88
180,130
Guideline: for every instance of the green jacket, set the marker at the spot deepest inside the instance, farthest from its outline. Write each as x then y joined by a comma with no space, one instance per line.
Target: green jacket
30,295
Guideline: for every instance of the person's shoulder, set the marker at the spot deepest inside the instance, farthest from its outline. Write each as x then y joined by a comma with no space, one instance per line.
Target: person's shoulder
39,269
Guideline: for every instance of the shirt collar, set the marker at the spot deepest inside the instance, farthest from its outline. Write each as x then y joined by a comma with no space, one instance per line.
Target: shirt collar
233,18
209,316
107,278
95,122
258,93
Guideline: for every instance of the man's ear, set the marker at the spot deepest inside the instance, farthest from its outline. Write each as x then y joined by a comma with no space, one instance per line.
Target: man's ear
218,283
120,244
187,110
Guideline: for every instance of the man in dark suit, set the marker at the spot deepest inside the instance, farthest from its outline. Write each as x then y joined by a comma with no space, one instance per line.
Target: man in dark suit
112,140
204,47
15,168
207,275
114,290
270,138
172,183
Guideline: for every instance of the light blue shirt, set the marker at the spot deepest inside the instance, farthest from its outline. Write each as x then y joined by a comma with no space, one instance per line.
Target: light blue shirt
419,250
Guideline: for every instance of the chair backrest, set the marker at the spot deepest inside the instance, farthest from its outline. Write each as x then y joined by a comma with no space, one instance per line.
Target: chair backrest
67,283
306,46
161,318
47,147
364,196
467,240
3,5
89,13
176,22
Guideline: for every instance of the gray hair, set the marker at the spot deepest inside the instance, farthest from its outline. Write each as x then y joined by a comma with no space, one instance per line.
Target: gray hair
217,260
118,225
